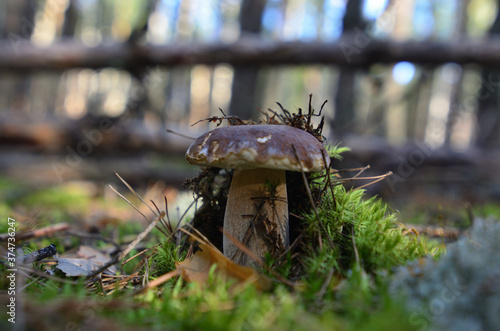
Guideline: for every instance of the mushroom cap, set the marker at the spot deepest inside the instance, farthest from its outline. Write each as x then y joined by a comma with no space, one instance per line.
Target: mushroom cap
258,146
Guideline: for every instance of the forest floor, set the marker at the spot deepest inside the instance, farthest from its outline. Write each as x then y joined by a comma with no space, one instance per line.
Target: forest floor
344,287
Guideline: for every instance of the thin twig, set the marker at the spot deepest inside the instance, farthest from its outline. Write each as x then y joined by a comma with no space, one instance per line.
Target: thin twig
324,287
158,281
356,254
37,255
377,179
254,257
130,203
181,134
108,264
140,237
140,253
135,193
311,199
46,231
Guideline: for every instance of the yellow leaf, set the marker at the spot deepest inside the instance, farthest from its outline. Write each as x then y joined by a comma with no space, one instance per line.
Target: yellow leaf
196,269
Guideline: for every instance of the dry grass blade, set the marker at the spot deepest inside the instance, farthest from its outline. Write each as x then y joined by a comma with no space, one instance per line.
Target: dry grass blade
141,236
311,200
158,281
375,180
243,248
259,261
363,169
130,203
104,267
46,231
321,293
135,193
197,267
181,134
140,253
200,238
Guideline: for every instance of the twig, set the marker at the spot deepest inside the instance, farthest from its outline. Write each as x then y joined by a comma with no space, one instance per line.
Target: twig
46,231
377,179
103,267
38,255
356,254
140,253
324,287
135,193
432,232
158,281
311,199
181,134
130,203
254,257
141,236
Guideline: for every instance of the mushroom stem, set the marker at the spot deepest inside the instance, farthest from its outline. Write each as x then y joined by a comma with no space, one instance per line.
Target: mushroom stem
256,214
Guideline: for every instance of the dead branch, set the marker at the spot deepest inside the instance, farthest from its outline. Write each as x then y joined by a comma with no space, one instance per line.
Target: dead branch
46,231
355,49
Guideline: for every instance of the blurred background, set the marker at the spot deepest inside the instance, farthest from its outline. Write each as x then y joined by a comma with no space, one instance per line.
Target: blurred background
90,87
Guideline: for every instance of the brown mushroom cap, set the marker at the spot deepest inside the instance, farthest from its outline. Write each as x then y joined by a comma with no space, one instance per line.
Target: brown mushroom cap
258,146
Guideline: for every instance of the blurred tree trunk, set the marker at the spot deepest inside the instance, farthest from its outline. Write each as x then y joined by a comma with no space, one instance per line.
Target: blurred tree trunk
18,28
71,16
423,100
459,33
243,93
140,103
344,99
488,115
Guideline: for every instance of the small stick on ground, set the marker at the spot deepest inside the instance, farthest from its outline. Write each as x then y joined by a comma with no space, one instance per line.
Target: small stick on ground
46,231
38,255
141,236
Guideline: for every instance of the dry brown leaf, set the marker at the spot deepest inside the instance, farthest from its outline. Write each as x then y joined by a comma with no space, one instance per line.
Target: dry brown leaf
197,267
83,262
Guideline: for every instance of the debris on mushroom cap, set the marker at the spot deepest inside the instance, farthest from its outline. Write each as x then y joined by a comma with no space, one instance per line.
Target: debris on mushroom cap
258,146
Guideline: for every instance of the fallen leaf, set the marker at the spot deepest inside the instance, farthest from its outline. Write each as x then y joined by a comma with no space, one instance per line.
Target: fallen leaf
84,262
196,268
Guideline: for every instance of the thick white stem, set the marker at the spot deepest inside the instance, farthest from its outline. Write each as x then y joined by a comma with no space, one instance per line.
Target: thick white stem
256,214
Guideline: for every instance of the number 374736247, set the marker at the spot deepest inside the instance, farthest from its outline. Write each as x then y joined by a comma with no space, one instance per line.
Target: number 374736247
11,242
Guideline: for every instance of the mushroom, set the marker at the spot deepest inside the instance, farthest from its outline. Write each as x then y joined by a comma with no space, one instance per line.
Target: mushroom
257,208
